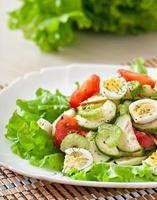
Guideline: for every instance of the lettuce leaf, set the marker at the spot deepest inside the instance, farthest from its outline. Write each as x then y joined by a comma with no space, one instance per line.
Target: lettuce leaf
138,66
110,172
29,140
14,124
33,143
46,105
121,16
52,24
53,161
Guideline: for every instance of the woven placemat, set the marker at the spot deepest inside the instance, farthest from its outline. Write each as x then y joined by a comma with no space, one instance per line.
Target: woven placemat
14,186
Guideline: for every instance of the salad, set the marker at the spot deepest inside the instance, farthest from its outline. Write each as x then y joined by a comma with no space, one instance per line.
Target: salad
105,131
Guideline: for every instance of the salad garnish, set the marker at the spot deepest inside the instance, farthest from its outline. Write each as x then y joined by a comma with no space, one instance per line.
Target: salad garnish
105,131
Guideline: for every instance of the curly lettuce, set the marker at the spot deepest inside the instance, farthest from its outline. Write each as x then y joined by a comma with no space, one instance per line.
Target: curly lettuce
52,24
110,172
46,105
29,140
49,23
138,66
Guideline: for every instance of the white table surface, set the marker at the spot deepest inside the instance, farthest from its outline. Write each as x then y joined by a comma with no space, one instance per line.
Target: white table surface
19,56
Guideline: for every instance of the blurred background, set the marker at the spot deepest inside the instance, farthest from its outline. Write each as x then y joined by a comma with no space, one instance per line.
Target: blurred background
19,55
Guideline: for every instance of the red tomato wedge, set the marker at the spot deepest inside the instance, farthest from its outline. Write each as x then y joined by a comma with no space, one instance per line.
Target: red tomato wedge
89,87
133,76
144,140
65,126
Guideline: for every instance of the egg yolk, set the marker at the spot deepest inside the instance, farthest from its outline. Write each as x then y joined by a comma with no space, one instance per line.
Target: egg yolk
144,108
153,159
75,160
113,85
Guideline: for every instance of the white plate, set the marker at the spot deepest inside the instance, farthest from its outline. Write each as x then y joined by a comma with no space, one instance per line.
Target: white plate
62,78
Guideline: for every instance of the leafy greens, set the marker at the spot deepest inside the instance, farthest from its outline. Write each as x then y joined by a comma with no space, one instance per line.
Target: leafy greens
46,105
29,140
111,172
138,66
51,24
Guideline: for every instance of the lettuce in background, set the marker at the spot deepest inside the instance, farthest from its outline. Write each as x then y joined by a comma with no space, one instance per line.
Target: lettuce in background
49,23
52,24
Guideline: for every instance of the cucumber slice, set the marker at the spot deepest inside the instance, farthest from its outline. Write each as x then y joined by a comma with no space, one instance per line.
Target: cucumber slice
111,134
128,140
91,111
111,151
98,157
108,112
107,138
150,127
98,98
124,108
130,160
132,154
88,124
74,140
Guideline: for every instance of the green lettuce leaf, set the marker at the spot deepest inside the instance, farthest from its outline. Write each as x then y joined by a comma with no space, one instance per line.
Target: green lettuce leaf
33,143
138,66
29,140
53,161
110,172
46,105
121,16
52,24
14,124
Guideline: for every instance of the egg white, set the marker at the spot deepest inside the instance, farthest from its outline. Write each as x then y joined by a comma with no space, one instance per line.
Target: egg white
149,162
77,163
115,94
144,117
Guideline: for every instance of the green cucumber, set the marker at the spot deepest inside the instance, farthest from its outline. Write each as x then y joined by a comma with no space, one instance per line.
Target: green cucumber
150,127
92,111
110,151
107,138
74,140
130,160
111,133
88,124
128,140
132,154
95,99
124,108
108,112
98,157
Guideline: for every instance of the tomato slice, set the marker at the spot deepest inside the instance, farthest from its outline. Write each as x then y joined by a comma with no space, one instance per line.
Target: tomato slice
90,87
65,126
144,140
131,76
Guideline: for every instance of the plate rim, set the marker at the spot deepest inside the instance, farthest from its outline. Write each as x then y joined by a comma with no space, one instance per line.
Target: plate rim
71,181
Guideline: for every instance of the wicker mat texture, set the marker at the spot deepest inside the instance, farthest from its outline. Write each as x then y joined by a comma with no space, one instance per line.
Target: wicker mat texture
14,186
